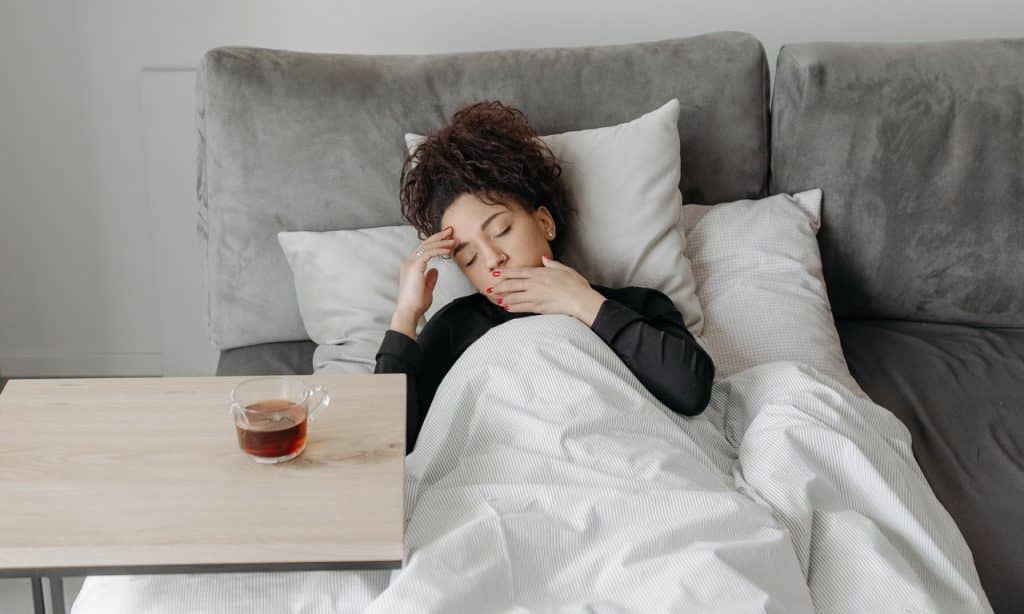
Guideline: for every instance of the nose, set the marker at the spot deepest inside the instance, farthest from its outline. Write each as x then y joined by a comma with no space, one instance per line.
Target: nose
495,257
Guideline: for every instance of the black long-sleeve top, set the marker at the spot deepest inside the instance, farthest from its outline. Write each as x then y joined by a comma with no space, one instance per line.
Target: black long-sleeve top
641,325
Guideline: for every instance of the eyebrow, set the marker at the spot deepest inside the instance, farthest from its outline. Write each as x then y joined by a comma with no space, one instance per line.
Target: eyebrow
482,227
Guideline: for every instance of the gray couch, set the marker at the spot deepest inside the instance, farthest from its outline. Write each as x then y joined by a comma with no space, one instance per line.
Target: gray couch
918,148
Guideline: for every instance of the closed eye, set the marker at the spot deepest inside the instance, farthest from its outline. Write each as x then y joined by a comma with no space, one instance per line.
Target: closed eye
473,259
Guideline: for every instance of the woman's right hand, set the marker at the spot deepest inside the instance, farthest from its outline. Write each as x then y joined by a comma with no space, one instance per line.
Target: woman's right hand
416,283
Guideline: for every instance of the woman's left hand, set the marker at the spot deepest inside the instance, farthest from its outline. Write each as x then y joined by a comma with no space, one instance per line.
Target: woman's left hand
551,288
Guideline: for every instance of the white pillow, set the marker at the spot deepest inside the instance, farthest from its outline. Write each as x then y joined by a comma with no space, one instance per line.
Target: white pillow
346,282
758,270
624,182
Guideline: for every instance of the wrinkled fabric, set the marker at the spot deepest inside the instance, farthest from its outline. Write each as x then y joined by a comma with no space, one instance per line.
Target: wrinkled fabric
550,479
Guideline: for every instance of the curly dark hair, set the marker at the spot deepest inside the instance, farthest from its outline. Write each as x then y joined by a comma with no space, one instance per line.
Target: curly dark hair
489,150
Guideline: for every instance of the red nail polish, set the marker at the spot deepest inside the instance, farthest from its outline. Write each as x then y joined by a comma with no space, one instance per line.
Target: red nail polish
495,273
499,300
489,290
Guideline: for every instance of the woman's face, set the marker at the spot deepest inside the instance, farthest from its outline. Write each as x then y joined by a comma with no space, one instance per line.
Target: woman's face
488,237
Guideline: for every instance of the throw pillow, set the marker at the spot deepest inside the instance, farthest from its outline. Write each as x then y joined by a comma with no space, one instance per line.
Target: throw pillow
758,272
346,282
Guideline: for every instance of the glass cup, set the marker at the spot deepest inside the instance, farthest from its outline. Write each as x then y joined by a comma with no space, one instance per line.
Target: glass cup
272,413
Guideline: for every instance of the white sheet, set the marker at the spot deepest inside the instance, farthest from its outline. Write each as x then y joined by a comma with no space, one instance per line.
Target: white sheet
547,478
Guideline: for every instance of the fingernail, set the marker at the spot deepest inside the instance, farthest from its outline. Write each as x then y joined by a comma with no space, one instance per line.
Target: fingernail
499,300
489,290
506,307
495,273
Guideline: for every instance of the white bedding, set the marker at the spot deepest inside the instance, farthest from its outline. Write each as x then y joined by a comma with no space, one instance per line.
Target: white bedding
547,478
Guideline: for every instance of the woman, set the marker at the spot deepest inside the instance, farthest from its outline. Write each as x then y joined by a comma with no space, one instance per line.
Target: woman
493,190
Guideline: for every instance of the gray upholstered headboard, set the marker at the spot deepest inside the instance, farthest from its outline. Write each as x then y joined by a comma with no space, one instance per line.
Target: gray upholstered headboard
919,151
309,141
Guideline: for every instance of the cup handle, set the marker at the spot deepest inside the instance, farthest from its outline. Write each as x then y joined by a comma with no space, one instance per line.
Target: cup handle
325,400
235,408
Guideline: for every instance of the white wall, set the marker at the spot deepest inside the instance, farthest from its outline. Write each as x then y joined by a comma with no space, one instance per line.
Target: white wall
97,261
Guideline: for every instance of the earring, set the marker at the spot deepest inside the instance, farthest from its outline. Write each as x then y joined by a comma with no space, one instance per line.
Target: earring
551,235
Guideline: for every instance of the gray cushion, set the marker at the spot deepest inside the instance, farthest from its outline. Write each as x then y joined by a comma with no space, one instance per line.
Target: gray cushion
284,358
960,392
918,148
313,141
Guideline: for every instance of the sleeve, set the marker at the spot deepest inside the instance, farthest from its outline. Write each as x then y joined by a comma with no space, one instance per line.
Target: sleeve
424,362
659,350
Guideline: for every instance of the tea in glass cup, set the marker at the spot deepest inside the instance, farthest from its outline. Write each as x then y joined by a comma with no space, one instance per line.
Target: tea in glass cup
272,416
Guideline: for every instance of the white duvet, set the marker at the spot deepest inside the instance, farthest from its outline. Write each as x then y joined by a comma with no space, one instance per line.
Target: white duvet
546,478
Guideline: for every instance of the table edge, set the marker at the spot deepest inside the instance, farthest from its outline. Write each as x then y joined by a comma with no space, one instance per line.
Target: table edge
184,568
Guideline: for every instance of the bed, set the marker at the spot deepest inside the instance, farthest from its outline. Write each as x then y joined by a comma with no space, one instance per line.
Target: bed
905,515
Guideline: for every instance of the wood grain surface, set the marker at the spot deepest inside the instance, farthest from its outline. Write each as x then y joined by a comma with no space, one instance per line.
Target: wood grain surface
148,471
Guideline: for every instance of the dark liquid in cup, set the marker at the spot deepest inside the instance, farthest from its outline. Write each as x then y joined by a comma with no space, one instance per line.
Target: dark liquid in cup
277,427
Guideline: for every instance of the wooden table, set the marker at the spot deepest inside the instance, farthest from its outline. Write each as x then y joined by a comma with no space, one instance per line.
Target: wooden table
144,475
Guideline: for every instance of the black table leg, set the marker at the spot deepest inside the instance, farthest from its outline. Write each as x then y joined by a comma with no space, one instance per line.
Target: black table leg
56,595
37,595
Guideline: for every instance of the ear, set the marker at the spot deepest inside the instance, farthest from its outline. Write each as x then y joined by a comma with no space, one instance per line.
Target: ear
544,218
